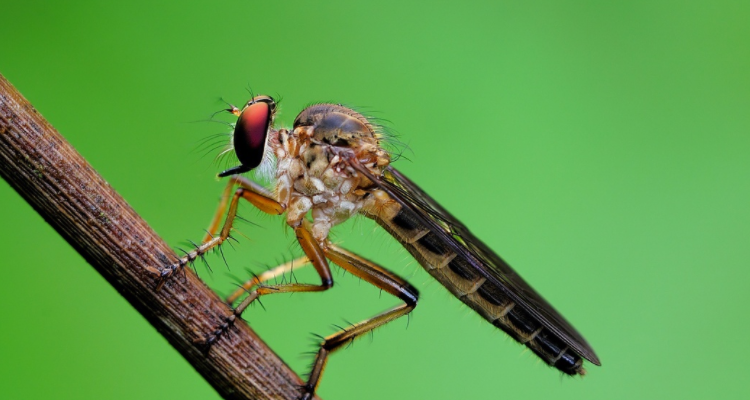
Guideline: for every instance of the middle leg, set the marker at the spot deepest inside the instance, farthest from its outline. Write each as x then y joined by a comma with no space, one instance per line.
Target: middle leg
266,276
315,256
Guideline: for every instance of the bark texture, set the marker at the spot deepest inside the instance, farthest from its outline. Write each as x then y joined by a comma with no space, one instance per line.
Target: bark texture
81,206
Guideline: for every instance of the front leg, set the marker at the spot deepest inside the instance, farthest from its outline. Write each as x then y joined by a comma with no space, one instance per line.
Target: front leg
248,190
234,181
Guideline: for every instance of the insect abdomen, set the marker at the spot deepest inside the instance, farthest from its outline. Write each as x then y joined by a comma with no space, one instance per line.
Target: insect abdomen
465,282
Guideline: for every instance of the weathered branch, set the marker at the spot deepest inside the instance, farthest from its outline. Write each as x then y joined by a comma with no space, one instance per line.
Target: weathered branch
104,229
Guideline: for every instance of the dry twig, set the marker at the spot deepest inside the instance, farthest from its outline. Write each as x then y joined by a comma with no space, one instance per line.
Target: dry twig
80,205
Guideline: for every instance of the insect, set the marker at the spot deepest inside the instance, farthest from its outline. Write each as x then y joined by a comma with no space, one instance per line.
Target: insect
331,166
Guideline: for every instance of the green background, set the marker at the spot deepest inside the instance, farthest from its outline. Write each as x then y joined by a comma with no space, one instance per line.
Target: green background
600,147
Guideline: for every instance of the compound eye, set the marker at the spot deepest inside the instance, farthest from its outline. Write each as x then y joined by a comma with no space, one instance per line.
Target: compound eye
251,131
264,99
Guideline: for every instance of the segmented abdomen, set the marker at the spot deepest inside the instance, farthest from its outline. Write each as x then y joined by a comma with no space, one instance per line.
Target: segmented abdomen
464,281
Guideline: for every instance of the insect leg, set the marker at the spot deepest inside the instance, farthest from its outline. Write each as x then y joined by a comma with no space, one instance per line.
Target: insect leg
268,275
377,276
316,257
249,191
234,180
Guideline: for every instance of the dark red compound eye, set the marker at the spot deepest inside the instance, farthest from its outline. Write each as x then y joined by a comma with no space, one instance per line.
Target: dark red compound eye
250,134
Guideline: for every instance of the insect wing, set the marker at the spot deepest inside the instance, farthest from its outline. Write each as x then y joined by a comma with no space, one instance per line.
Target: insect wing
488,264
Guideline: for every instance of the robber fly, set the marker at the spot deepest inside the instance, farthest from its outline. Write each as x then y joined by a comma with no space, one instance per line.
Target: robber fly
331,165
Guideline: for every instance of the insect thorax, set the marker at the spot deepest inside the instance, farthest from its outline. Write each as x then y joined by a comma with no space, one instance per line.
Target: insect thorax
312,173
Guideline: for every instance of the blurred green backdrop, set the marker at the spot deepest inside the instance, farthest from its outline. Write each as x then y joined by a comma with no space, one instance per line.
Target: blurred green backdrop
601,148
